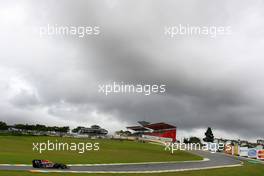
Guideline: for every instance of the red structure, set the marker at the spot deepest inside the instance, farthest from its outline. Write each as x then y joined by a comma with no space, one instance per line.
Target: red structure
160,130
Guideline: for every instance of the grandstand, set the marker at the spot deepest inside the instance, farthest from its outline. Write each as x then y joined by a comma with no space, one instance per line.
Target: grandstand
94,130
155,131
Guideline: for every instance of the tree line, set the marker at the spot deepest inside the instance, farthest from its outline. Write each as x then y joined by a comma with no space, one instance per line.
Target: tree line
37,127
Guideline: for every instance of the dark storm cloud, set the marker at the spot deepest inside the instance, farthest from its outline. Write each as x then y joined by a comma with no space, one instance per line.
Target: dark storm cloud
209,81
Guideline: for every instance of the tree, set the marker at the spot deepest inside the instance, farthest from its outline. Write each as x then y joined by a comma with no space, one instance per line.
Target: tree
123,133
185,141
3,126
76,130
40,127
20,126
119,132
194,140
127,133
65,129
209,136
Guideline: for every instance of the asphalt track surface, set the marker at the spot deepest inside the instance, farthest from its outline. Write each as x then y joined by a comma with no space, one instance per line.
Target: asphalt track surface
214,160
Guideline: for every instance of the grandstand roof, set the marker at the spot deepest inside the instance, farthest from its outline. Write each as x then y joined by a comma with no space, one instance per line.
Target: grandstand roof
159,126
137,128
153,126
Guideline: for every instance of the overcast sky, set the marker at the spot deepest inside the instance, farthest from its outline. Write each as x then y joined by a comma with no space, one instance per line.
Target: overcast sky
217,82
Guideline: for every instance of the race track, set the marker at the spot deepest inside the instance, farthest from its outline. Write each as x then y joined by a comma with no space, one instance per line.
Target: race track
214,160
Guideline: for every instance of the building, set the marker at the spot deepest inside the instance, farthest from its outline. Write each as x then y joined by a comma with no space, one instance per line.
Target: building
220,140
156,131
94,130
260,142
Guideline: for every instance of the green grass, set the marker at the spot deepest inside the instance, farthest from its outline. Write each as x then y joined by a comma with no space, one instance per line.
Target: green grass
248,169
18,150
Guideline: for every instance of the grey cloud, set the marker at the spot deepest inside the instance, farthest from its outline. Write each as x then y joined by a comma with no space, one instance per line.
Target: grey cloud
24,99
210,82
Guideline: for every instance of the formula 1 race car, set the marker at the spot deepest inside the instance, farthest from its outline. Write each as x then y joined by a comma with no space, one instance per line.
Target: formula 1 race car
48,164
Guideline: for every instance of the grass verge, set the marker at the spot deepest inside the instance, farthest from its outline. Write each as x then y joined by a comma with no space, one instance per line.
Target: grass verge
18,150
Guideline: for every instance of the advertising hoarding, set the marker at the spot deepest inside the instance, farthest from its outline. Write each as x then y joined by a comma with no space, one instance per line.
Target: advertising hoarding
260,154
229,149
243,151
252,153
236,149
